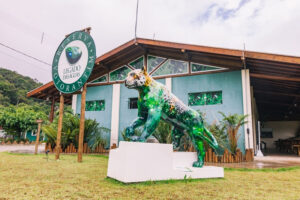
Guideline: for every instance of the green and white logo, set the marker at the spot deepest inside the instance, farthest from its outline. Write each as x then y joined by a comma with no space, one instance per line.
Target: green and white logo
73,62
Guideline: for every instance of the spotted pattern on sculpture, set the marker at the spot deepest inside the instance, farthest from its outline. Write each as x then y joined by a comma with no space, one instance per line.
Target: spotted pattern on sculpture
157,103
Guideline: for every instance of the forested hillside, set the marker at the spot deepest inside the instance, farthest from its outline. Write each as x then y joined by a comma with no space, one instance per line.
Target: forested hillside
14,87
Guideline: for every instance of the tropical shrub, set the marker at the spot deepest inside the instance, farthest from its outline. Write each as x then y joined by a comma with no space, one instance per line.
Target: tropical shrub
219,132
163,133
232,123
93,132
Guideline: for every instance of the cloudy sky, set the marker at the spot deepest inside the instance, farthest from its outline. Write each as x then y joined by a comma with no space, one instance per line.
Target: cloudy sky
37,27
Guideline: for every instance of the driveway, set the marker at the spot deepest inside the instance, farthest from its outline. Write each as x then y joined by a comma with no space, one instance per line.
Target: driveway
21,148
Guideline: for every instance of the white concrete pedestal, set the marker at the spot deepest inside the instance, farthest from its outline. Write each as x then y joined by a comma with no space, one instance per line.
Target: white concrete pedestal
138,162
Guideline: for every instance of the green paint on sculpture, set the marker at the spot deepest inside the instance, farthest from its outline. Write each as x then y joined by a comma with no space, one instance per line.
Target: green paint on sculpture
156,103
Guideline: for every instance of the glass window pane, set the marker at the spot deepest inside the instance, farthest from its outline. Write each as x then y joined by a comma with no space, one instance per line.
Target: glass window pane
133,103
98,105
205,98
172,67
154,61
119,74
137,63
102,79
200,67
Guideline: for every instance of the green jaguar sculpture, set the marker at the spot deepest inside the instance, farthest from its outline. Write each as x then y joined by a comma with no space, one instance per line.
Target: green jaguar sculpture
156,102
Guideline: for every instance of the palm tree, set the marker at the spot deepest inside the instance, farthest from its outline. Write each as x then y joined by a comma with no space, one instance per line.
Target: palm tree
163,133
233,122
93,132
219,132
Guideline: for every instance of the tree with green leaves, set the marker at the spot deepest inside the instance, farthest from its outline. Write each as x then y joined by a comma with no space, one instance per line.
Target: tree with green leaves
13,90
16,120
219,131
93,132
163,133
233,122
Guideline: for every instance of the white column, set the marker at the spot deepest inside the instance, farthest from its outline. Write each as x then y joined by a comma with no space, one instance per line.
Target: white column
247,108
114,137
169,84
74,103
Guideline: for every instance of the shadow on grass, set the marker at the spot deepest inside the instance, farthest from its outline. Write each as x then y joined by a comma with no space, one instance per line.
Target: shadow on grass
188,180
21,154
282,169
162,182
62,154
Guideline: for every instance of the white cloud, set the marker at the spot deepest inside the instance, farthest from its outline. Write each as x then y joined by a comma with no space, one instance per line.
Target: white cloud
264,25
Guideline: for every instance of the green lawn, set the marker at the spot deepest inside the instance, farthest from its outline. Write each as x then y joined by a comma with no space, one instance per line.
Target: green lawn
32,177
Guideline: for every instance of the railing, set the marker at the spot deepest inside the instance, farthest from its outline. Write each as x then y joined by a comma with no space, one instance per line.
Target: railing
71,149
227,157
210,155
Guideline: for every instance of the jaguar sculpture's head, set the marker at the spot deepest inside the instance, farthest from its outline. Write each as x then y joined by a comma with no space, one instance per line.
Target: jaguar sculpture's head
137,79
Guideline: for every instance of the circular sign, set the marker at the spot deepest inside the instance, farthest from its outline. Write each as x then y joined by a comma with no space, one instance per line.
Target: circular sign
73,62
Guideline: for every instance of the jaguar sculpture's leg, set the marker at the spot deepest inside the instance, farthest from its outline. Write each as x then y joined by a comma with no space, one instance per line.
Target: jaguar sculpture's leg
197,135
214,143
177,133
200,152
154,114
129,133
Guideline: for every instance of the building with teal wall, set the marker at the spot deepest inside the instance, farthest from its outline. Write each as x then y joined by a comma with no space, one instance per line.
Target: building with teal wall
206,88
208,79
31,135
263,86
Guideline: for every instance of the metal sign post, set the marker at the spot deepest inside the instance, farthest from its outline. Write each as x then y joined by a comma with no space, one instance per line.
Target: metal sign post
259,153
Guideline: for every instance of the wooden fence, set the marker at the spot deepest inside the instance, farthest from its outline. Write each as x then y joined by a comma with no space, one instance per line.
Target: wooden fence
71,149
227,157
15,142
210,156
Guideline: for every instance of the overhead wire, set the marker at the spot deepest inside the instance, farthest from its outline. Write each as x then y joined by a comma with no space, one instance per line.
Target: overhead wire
24,61
24,54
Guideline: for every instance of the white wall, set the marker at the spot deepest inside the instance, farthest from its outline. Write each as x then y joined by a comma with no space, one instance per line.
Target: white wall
281,130
114,137
74,103
247,108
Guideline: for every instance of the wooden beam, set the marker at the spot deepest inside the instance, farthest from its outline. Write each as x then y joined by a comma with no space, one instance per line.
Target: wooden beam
189,47
39,122
276,93
51,115
270,71
273,77
59,128
266,82
272,57
273,103
39,89
265,63
115,51
81,126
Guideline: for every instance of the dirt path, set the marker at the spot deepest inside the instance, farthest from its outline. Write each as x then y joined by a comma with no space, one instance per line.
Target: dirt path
19,148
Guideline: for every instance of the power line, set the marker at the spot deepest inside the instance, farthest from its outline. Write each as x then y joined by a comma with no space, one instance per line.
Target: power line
24,61
24,54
